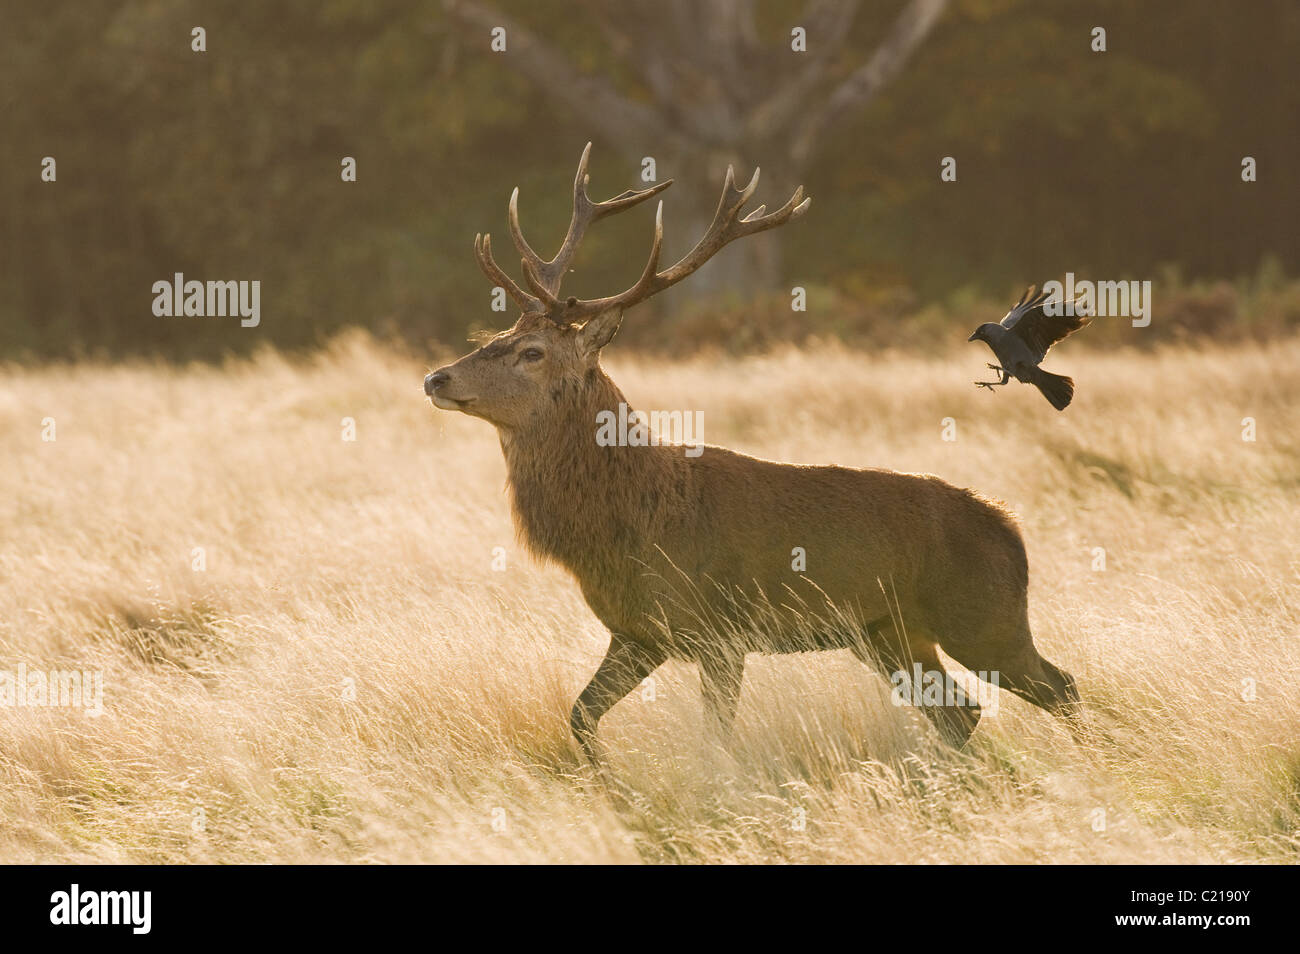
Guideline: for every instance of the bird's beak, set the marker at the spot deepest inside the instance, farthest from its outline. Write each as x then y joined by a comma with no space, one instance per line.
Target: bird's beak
973,336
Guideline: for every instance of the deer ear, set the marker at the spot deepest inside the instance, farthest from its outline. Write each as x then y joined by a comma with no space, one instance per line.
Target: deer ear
598,332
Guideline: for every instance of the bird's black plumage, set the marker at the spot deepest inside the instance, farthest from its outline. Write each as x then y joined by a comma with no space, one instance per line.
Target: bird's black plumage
1036,328
1022,339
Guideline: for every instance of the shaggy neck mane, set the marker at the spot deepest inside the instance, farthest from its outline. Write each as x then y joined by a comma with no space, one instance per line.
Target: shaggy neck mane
587,506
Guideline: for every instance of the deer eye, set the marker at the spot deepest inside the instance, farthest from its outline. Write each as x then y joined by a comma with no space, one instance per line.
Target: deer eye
531,354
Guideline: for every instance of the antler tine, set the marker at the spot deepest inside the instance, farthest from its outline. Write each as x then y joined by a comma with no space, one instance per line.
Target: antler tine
625,200
796,206
574,309
538,285
584,213
725,227
580,178
651,270
747,193
517,234
548,276
483,255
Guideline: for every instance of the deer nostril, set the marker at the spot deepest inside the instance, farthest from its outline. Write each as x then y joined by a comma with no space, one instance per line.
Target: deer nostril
434,381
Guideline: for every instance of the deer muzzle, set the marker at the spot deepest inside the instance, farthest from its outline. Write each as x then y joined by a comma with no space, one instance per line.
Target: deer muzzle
434,381
436,386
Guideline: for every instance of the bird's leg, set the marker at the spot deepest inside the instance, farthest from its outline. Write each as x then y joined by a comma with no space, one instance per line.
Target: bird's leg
1006,376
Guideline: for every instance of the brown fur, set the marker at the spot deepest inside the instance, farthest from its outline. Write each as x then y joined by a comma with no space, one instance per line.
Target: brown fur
690,557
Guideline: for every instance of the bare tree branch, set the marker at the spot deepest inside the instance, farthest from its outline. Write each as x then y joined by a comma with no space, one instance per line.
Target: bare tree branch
670,47
715,95
622,121
727,33
623,31
697,58
913,24
827,23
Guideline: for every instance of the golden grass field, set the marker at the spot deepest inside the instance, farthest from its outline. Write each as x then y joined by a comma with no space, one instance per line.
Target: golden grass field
351,680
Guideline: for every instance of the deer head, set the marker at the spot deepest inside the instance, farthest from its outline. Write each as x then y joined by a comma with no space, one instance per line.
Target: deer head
555,345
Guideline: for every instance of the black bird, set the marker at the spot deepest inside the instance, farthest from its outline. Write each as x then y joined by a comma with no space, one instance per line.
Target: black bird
1021,341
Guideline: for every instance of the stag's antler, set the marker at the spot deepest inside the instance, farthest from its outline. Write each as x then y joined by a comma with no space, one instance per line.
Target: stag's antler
544,278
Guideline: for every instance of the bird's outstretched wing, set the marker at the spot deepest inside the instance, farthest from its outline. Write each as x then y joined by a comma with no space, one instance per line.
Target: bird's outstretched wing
1037,329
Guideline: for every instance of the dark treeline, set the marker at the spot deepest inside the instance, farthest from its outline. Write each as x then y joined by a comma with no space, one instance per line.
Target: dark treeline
225,164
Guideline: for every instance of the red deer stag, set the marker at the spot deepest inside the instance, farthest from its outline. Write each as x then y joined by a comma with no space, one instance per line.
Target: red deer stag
674,552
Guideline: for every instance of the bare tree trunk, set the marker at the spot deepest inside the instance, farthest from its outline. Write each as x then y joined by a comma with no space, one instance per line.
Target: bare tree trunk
738,111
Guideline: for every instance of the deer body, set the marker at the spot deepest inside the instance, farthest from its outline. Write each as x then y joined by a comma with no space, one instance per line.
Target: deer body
691,557
726,521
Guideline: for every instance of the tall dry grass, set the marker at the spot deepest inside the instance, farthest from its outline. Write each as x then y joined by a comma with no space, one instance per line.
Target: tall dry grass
351,680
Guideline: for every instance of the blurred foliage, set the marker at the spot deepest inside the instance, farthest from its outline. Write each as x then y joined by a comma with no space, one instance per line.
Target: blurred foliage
1257,307
225,165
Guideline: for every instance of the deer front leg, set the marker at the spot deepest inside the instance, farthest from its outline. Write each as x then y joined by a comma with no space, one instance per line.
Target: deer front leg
626,663
722,672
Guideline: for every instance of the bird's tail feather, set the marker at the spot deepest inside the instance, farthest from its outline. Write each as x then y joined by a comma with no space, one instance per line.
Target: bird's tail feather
1057,388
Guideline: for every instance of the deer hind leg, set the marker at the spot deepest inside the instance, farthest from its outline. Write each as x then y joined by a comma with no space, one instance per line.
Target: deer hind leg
625,665
891,653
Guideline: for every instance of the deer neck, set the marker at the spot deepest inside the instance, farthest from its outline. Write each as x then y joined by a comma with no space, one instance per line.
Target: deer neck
576,501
